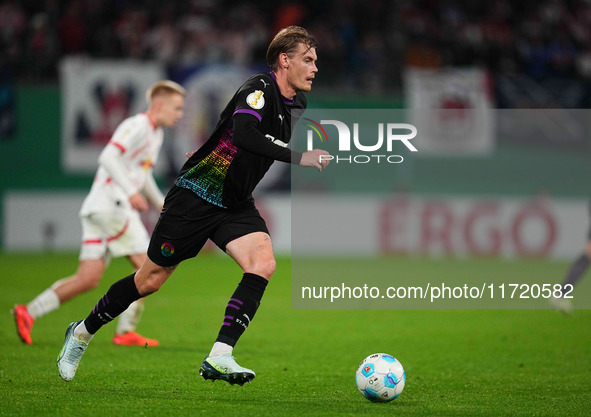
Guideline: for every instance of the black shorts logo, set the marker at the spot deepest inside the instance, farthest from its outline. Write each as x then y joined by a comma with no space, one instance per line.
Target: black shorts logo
167,249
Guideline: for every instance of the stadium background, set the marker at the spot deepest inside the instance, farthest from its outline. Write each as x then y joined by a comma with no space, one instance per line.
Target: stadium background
367,51
536,59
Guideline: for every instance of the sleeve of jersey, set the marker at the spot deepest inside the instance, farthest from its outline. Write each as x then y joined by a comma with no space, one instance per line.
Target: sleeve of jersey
253,99
128,135
111,159
153,193
125,138
248,137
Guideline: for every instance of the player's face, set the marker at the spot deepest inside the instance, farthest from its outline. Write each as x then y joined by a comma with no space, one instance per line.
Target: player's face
302,68
171,109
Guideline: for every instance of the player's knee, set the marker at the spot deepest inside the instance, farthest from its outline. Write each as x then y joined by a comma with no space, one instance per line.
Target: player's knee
150,277
149,283
271,267
148,287
265,268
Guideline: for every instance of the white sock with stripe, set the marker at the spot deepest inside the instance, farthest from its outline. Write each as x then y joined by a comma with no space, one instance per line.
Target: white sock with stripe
44,303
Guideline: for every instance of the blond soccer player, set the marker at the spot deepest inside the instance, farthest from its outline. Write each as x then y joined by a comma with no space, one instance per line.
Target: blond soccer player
212,199
111,224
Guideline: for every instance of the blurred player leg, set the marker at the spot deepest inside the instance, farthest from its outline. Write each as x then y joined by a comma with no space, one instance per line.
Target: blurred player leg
87,277
575,273
125,333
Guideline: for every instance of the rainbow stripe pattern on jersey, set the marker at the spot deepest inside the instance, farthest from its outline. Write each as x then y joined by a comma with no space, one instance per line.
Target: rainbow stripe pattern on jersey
206,179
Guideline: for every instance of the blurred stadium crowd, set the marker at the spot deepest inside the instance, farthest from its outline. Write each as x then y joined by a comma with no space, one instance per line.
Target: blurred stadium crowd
363,44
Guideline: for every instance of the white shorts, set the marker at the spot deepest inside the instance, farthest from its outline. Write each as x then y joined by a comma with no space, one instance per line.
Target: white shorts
106,235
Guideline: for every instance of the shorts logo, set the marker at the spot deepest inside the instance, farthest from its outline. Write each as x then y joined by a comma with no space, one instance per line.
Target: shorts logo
256,100
167,249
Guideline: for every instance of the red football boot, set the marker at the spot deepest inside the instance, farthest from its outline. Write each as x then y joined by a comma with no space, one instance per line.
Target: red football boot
133,339
24,323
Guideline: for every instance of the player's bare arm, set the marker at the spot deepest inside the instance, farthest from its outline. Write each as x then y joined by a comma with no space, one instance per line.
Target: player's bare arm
138,202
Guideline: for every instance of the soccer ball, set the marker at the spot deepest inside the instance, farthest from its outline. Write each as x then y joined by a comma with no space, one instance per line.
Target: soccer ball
380,377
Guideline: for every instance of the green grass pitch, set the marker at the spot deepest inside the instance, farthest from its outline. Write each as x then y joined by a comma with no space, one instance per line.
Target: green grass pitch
458,362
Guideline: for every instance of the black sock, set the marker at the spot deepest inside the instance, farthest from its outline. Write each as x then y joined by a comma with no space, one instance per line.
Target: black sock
114,302
577,270
241,308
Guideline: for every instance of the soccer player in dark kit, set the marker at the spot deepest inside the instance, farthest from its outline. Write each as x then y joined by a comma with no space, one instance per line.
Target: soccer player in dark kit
212,199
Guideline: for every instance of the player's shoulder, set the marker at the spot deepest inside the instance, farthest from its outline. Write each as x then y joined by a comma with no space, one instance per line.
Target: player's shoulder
141,119
140,122
133,126
261,81
138,119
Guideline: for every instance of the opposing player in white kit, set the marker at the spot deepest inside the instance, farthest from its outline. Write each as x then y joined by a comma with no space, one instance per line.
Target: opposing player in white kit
111,224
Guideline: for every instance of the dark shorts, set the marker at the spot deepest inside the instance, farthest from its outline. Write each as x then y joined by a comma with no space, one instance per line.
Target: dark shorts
187,221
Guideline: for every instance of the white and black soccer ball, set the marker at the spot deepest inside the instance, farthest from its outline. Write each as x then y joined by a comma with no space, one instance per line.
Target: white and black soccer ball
380,377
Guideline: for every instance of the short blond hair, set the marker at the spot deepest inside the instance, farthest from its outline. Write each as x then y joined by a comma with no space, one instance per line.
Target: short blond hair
164,87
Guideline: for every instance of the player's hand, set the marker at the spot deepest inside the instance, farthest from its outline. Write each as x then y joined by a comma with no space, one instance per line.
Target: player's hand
315,158
138,202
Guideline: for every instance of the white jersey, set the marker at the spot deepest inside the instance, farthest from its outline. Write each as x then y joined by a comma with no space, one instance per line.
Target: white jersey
133,151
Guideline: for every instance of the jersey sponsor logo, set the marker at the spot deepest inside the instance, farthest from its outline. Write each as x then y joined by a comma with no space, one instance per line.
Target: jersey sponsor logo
265,84
243,324
276,141
147,164
281,118
256,100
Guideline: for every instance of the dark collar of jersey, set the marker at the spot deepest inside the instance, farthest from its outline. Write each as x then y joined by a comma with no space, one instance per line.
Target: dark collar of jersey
285,99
